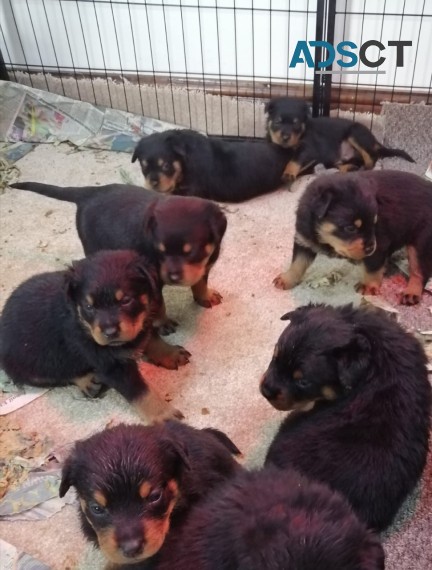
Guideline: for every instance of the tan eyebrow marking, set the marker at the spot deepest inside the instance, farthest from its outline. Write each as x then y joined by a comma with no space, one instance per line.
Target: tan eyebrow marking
100,498
144,489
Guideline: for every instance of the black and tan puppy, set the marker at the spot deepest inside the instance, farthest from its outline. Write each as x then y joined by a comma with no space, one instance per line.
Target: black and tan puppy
87,326
136,483
271,520
365,217
359,384
187,163
182,235
333,142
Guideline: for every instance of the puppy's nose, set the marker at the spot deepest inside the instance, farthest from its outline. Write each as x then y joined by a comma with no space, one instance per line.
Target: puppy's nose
174,277
111,332
285,137
268,391
132,547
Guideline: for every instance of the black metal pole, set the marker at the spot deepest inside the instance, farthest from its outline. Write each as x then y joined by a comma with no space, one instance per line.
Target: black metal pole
325,26
4,75
316,96
327,79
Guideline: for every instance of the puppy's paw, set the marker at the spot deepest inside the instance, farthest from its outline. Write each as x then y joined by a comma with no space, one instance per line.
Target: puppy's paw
283,281
89,385
287,180
409,298
367,288
165,412
155,409
166,326
210,299
170,356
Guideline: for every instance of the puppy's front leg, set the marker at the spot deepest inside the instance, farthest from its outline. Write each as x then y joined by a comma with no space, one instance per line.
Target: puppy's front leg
292,170
205,296
88,384
167,355
414,290
374,267
301,260
127,380
162,322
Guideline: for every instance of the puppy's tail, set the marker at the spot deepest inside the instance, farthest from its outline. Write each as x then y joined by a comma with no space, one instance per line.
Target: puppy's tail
385,152
224,440
68,194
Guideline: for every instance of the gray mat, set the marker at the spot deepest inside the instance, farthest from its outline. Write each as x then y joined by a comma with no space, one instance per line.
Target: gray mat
408,127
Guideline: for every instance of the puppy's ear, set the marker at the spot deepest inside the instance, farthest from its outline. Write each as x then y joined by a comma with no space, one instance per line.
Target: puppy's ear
150,221
137,151
178,450
269,106
68,475
372,554
143,270
322,202
353,360
296,315
224,440
287,316
71,280
182,455
218,223
177,144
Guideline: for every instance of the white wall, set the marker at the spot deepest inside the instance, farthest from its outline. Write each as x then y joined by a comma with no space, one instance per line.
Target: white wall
263,53
359,28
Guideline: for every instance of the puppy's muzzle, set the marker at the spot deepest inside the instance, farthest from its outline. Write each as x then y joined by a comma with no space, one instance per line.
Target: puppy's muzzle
153,181
274,395
174,277
111,332
370,248
132,547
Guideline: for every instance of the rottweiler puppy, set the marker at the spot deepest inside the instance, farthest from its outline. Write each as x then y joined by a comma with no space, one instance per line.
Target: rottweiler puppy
187,163
87,326
365,217
135,483
359,386
182,235
333,142
271,520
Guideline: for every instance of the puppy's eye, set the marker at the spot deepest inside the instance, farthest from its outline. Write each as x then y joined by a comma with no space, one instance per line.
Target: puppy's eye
97,509
277,121
303,383
155,496
165,167
351,229
89,308
125,301
296,121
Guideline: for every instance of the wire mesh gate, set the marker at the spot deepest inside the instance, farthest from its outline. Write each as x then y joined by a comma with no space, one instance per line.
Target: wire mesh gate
207,64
